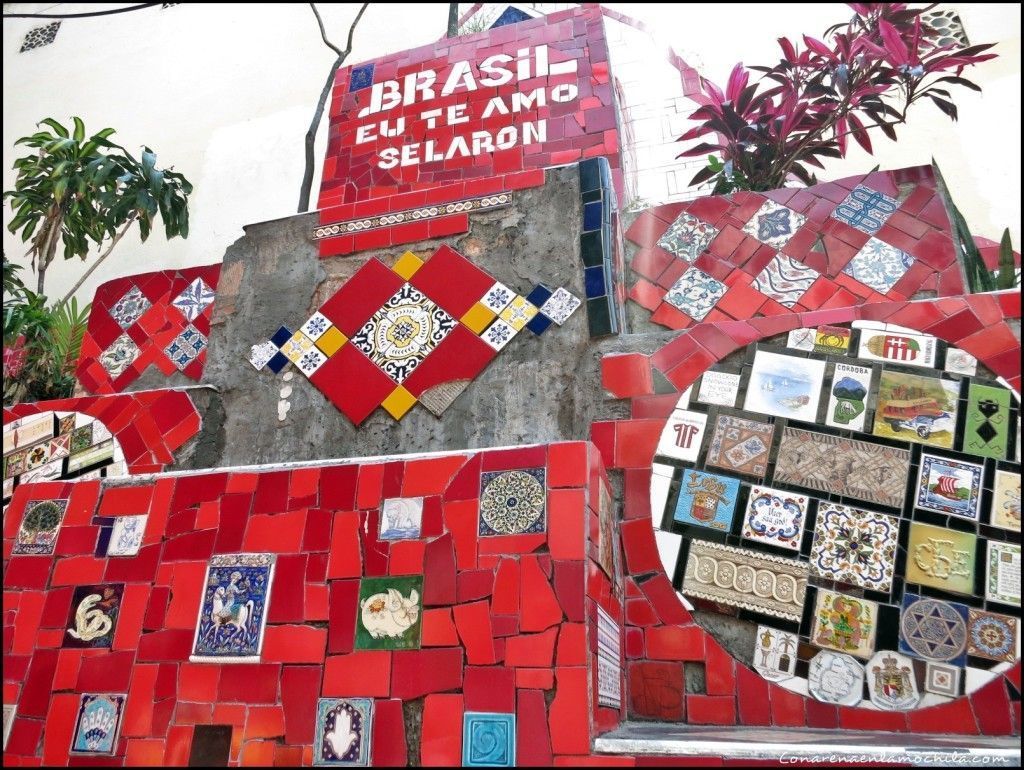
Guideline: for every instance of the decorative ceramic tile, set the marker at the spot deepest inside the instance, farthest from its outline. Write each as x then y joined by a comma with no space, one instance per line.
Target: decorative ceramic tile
186,347
401,518
739,444
9,711
987,431
786,386
1005,512
720,388
488,739
878,265
609,660
775,517
607,543
361,77
401,334
683,435
130,307
941,558
126,536
845,623
315,326
949,486
960,362
195,299
94,455
835,678
866,209
297,346
942,679
932,629
438,398
82,438
891,682
25,432
915,408
695,293
310,361
785,280
706,500
854,546
119,356
847,397
498,297
426,213
899,347
233,609
801,339
92,619
775,653
1002,573
844,466
512,502
518,313
739,577
389,613
774,224
39,526
344,729
498,334
98,724
687,237
832,340
560,305
991,636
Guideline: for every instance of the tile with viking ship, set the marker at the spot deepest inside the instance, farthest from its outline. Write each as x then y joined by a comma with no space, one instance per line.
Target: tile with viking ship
843,466
1005,512
949,486
855,546
897,347
933,629
739,577
915,408
941,558
775,653
233,610
992,636
987,430
92,618
785,386
891,682
1002,573
706,500
740,445
845,623
388,616
40,525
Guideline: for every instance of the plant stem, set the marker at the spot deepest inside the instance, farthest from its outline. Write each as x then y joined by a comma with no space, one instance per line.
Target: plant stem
99,260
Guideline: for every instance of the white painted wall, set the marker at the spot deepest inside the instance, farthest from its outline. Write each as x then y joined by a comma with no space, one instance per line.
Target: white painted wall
224,93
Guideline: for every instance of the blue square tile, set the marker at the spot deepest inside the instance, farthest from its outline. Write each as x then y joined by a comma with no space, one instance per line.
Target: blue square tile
281,336
590,175
539,324
277,363
539,295
594,282
592,217
361,77
488,740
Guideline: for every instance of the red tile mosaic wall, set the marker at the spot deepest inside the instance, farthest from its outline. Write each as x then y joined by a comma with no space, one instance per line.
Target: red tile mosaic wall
835,261
508,620
477,138
160,319
660,633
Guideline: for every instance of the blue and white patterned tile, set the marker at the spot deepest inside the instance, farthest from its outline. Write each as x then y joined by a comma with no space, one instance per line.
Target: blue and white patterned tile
129,308
774,224
879,265
119,356
695,293
310,361
560,305
498,334
186,347
498,297
261,353
865,209
315,326
687,237
785,280
126,535
488,739
195,299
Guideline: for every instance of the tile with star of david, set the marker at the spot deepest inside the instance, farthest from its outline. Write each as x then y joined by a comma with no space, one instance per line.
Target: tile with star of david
186,347
687,237
403,332
695,293
865,209
879,265
774,224
196,297
933,629
129,309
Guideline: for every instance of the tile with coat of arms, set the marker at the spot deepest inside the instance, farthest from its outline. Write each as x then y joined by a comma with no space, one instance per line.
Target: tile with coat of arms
892,685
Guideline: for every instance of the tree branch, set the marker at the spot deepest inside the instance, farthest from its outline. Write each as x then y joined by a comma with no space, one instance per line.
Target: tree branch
99,260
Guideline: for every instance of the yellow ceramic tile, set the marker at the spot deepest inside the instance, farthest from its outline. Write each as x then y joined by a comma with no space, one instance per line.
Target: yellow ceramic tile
941,557
399,402
518,313
296,347
407,265
477,317
330,341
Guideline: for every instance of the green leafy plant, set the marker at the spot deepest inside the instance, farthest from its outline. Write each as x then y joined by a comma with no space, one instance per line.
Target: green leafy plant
1006,277
82,191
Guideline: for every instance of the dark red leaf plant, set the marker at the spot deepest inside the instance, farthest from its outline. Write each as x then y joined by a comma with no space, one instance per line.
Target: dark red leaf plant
863,75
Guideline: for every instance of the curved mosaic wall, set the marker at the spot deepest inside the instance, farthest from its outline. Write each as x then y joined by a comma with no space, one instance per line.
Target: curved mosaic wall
854,495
